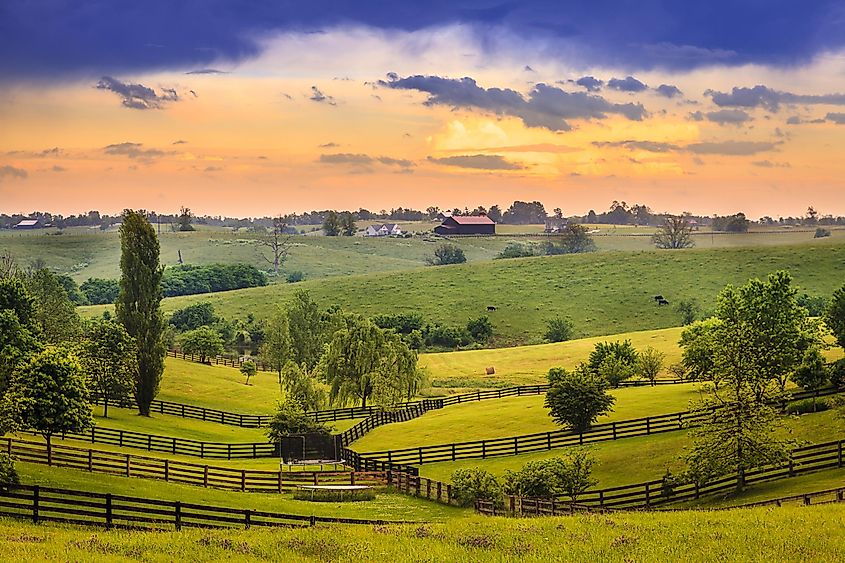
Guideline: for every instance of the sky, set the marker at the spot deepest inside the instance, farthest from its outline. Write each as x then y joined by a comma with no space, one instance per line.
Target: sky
254,108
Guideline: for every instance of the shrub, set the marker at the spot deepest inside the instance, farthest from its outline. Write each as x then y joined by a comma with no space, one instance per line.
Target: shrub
8,473
568,475
290,418
559,329
295,277
191,280
194,316
805,406
515,250
821,233
470,485
446,254
403,323
98,291
481,329
446,336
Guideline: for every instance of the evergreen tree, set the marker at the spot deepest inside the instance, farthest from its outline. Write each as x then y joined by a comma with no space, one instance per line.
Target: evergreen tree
138,305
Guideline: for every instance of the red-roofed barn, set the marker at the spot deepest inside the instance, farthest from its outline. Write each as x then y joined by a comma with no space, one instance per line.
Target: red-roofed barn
466,225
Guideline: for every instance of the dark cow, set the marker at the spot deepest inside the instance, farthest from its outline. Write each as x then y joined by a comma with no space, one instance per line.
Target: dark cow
658,298
491,308
662,302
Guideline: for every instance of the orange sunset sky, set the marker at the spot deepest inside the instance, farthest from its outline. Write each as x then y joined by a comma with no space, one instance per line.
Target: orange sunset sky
314,121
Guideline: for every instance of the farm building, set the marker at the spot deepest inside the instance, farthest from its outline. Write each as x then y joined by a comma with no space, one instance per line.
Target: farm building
383,230
29,224
443,215
467,225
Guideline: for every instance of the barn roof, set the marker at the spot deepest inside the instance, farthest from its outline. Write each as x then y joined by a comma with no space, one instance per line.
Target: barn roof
28,223
472,220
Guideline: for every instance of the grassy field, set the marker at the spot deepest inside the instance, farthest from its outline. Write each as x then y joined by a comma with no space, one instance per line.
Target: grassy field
497,418
83,252
388,505
633,460
604,293
754,535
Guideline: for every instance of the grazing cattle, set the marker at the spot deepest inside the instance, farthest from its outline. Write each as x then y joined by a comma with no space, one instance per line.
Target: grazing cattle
491,308
490,370
662,302
658,298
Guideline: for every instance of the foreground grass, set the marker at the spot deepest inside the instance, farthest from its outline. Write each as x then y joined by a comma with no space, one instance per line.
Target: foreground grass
634,460
496,418
603,293
386,506
762,534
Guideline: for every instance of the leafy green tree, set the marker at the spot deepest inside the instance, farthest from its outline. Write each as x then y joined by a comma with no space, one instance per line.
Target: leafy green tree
624,351
99,291
740,431
559,329
72,289
8,473
138,305
811,374
332,224
577,398
446,254
15,297
55,313
675,233
299,385
365,362
834,317
108,359
276,350
290,418
248,369
569,475
185,219
474,484
348,228
688,310
48,394
573,239
194,316
305,327
203,341
614,370
649,363
481,329
697,343
19,330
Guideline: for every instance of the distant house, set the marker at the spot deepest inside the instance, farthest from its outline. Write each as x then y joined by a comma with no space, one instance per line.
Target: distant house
383,230
29,224
466,225
554,224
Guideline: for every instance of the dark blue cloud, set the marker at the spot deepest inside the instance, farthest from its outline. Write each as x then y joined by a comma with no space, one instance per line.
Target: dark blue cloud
591,83
765,97
668,91
54,39
627,84
545,106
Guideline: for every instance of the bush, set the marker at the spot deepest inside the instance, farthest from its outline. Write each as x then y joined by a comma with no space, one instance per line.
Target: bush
191,280
470,485
403,323
568,475
446,336
815,305
515,250
805,406
481,329
290,418
194,316
559,329
446,254
8,473
821,233
98,291
295,277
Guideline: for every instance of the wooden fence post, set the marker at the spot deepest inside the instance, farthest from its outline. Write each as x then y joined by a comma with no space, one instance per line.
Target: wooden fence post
448,493
205,476
35,494
280,481
439,491
243,480
9,446
178,516
166,470
90,460
246,518
127,465
108,512
647,495
839,454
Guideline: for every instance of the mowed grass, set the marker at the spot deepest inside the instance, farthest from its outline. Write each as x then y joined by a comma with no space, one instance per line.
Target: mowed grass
603,293
754,535
634,460
387,505
497,418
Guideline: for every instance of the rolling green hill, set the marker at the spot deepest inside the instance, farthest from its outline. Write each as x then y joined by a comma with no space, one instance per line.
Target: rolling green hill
603,293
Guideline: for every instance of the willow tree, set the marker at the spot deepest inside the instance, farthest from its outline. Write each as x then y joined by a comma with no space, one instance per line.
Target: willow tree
138,305
364,362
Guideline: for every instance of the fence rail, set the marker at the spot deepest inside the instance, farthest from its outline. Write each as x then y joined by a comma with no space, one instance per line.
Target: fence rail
46,504
526,443
129,465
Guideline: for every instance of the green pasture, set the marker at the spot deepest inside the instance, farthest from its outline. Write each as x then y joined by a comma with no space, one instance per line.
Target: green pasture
754,535
387,505
603,293
642,458
498,418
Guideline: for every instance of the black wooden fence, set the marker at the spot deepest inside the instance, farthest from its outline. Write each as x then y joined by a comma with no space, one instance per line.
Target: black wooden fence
228,478
649,494
46,504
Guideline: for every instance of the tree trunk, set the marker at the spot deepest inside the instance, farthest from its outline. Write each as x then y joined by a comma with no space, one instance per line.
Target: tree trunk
364,401
49,437
105,406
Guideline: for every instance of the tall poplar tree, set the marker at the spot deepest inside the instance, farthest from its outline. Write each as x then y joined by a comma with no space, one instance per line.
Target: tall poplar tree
138,305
